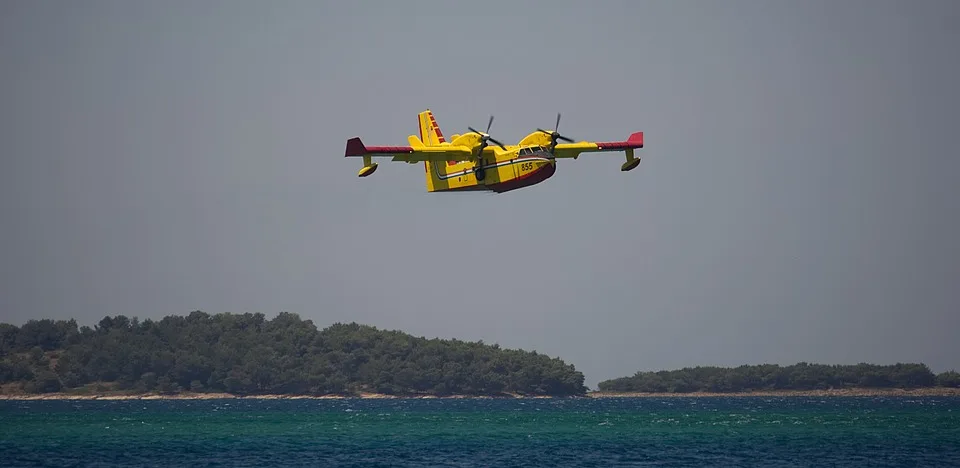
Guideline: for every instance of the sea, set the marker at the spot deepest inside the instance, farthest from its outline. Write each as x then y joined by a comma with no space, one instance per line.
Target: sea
587,432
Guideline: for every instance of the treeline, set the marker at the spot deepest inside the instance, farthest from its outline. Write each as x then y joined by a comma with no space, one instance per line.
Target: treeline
247,354
802,376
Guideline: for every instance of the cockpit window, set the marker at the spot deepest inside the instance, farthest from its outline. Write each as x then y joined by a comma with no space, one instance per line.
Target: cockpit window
531,150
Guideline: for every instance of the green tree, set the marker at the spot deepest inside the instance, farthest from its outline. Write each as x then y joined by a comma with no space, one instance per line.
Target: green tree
949,379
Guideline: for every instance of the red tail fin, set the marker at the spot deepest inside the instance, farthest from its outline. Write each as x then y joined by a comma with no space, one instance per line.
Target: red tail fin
355,147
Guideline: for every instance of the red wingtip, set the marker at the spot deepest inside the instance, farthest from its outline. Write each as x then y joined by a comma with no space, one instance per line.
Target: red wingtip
634,141
355,147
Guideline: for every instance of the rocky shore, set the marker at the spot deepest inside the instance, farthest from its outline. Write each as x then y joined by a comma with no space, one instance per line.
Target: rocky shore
216,396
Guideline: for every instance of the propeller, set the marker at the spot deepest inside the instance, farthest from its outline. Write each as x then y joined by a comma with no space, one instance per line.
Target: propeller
555,135
485,137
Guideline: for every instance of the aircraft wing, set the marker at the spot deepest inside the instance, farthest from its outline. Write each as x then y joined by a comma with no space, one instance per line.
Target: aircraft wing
410,154
572,150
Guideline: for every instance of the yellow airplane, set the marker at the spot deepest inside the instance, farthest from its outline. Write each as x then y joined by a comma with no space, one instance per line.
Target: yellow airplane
467,163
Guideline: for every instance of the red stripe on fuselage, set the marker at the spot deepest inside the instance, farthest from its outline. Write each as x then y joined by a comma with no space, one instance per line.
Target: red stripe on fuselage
526,180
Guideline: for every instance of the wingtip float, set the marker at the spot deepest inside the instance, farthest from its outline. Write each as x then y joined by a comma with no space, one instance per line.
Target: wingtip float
475,161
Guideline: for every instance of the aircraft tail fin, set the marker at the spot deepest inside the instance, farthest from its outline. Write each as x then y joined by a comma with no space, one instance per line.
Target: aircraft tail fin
430,135
430,132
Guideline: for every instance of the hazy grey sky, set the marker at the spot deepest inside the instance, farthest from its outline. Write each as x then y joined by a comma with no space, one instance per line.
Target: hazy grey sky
797,201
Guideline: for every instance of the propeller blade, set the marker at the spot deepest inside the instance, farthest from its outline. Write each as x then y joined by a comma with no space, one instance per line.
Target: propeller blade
499,144
561,137
557,126
489,123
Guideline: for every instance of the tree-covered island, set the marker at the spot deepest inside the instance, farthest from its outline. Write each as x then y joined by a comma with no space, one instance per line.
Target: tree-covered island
247,354
799,377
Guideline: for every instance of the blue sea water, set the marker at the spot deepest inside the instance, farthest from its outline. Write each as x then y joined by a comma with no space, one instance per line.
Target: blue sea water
681,432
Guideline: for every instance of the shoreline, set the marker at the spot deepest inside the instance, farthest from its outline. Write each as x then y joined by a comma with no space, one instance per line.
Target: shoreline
839,392
230,396
849,392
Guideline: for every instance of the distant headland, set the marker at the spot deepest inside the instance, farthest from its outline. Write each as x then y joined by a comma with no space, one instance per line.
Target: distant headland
797,379
204,356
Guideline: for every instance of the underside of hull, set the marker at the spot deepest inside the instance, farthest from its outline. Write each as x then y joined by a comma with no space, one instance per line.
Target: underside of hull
532,178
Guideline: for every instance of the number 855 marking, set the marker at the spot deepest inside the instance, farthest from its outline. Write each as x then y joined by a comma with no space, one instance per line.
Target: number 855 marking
526,166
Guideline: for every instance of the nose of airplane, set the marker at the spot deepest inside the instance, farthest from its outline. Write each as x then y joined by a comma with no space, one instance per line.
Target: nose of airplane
547,167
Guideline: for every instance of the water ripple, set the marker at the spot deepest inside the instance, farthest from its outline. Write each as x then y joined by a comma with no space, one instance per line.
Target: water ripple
582,432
